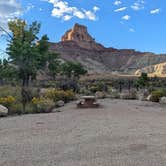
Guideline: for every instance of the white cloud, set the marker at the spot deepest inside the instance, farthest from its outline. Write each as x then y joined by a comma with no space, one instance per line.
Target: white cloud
65,12
29,7
67,17
132,30
155,11
138,5
117,2
95,8
126,17
120,9
9,9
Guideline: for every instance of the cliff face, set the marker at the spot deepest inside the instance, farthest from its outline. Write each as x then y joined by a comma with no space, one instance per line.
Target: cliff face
78,45
80,35
154,70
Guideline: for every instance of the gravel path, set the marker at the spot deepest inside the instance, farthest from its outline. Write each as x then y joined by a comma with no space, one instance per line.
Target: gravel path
122,133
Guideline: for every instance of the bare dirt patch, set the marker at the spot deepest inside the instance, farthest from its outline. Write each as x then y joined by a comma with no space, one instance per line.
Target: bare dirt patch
121,133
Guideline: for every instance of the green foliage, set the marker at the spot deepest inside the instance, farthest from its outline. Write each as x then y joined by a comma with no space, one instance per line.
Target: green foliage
7,101
7,71
16,108
56,95
25,50
113,93
98,86
11,91
42,105
143,80
72,68
157,94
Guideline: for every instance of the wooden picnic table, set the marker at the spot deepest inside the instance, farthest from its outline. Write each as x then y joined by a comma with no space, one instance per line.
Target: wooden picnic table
88,102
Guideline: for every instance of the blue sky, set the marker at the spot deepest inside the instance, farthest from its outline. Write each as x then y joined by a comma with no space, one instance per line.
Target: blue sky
137,24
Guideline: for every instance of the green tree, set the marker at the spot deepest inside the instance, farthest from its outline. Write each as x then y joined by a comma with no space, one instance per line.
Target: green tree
27,52
54,65
8,72
72,68
143,80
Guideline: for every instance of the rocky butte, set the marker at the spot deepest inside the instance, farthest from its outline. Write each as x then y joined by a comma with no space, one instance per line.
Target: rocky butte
79,46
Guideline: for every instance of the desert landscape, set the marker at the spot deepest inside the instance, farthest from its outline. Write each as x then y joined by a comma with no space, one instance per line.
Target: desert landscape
119,133
82,83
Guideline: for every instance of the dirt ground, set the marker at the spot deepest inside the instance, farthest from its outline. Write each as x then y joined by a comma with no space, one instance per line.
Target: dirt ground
121,133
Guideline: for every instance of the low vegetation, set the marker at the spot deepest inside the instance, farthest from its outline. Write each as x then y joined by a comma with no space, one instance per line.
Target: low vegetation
22,93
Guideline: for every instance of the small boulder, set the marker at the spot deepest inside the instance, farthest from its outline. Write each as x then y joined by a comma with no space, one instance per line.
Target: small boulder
163,100
60,103
56,110
3,111
149,98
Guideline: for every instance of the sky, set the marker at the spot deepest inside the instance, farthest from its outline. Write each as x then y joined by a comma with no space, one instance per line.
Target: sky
134,24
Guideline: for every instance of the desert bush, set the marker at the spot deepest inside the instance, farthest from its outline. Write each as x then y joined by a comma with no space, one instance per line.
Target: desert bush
114,95
16,108
7,101
84,91
11,91
98,86
42,105
56,95
156,95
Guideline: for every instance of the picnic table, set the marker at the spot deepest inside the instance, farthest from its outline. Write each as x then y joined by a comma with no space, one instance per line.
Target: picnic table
88,102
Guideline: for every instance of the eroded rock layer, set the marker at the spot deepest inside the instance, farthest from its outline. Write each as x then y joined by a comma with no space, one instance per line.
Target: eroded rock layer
77,45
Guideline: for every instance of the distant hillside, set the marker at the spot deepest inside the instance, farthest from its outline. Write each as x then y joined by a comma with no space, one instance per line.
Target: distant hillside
78,45
154,70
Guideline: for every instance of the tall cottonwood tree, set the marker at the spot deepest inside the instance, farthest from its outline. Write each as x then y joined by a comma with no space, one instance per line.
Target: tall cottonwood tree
26,51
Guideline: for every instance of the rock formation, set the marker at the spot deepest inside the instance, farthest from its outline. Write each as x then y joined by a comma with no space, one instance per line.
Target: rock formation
154,70
77,45
78,33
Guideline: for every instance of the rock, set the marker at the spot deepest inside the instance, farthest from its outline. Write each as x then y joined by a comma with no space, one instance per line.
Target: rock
78,46
100,95
3,111
153,70
56,110
80,35
60,103
162,100
149,97
77,33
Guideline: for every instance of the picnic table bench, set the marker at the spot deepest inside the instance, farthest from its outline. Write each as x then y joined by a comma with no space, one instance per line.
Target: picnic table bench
88,102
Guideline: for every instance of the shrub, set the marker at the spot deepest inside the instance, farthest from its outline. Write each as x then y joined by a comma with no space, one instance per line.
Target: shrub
7,101
11,91
98,86
42,105
156,95
57,95
16,108
84,91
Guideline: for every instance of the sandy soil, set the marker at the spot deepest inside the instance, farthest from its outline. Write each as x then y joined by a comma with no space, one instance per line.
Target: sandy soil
122,133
